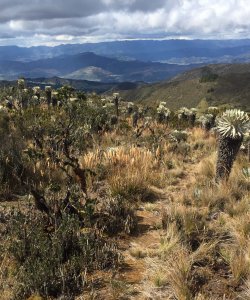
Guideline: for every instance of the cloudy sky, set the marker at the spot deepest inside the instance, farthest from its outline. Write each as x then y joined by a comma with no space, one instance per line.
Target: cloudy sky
47,22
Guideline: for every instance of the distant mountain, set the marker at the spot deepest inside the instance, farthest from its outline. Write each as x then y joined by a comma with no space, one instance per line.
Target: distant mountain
92,73
135,60
171,51
92,67
218,84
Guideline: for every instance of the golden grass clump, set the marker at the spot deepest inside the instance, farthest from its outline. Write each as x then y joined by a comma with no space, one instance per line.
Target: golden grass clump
130,171
169,277
197,134
238,261
245,295
178,272
119,156
202,141
91,159
206,167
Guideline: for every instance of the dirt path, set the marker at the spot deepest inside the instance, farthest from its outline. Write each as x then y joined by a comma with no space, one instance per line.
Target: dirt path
149,233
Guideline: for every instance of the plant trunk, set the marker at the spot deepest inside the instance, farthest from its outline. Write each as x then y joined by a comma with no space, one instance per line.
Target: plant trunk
117,107
227,152
48,96
248,151
192,120
54,101
135,118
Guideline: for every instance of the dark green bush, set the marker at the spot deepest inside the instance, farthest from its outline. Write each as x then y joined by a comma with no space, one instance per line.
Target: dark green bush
11,167
181,148
53,261
116,214
208,78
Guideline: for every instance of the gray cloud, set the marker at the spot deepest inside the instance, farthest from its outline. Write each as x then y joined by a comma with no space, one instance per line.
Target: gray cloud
47,9
55,22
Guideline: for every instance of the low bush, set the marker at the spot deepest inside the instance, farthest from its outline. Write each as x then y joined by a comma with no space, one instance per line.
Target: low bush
54,261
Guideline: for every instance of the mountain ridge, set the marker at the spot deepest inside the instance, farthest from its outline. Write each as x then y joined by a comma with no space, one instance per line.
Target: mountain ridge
153,50
231,86
64,65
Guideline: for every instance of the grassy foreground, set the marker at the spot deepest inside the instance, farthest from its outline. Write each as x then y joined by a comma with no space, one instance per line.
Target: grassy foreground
99,206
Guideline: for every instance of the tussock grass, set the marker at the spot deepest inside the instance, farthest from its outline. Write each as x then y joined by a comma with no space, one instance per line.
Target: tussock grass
138,251
130,170
246,292
206,167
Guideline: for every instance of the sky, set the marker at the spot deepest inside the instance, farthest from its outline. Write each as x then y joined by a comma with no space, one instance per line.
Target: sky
47,22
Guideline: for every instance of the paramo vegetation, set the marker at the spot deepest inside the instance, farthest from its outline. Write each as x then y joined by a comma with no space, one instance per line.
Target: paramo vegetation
106,199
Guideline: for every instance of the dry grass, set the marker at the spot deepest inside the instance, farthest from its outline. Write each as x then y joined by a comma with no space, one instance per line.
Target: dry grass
130,170
245,295
170,241
204,238
203,141
206,232
178,271
137,251
238,261
206,167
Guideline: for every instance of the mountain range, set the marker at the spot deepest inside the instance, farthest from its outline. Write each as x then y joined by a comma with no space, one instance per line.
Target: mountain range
117,61
180,51
90,66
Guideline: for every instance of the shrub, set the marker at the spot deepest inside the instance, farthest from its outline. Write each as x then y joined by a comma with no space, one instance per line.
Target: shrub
54,261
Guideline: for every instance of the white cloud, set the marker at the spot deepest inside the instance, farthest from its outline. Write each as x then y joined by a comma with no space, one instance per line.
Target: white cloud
16,25
94,20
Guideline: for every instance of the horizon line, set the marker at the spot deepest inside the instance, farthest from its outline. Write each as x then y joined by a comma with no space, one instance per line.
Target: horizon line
129,40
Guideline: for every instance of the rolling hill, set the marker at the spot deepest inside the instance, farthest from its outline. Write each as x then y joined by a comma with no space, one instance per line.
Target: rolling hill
89,66
218,84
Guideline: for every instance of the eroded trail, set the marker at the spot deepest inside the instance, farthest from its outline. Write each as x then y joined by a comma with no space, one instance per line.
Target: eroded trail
148,237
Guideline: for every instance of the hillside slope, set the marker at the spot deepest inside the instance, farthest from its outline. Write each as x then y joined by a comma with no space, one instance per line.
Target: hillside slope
231,86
